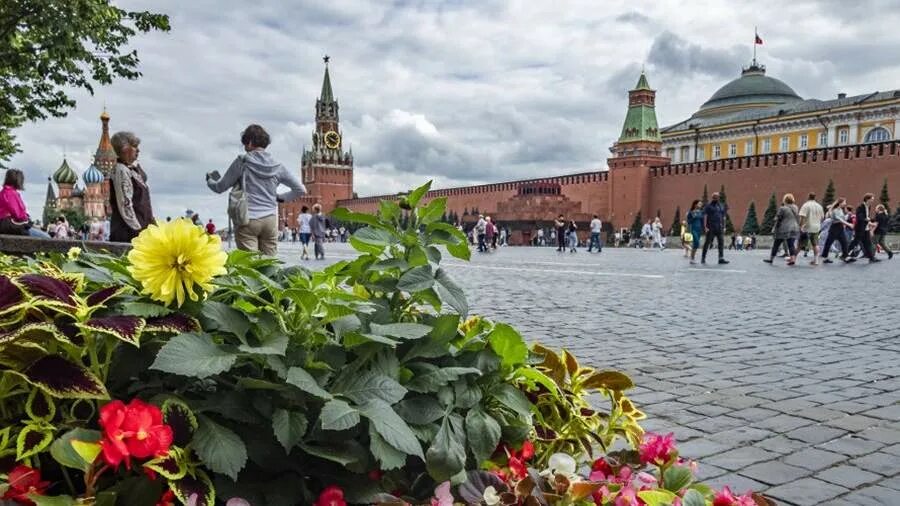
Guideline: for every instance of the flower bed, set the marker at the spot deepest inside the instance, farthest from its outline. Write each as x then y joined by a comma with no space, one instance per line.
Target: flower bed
180,375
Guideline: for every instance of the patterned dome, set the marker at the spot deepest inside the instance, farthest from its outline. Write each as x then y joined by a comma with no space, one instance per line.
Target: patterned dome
64,174
92,175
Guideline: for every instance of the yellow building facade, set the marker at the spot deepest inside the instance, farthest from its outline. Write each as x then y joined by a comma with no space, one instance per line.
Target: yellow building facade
756,114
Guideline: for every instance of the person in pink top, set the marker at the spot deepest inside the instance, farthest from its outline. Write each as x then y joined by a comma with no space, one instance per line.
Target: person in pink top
13,217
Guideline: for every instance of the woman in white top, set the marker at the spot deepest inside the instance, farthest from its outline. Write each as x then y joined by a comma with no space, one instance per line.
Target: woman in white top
305,231
656,230
61,230
836,232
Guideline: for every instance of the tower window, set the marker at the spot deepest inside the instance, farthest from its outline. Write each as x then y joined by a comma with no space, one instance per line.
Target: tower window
878,134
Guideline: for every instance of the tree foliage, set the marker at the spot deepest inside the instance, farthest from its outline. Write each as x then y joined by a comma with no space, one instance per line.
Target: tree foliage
729,226
828,198
769,217
637,225
705,197
48,48
884,197
751,223
676,222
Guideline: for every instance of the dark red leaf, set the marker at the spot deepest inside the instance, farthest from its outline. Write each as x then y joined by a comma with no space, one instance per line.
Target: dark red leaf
179,416
188,486
61,378
10,294
47,288
32,332
104,294
175,323
127,328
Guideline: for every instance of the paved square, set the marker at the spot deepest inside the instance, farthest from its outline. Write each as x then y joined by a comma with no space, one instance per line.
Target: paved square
786,379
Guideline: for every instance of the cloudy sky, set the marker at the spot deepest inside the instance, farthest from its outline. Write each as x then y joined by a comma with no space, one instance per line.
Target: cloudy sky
459,91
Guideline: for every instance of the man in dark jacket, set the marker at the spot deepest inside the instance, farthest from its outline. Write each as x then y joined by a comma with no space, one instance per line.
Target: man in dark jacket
714,224
861,234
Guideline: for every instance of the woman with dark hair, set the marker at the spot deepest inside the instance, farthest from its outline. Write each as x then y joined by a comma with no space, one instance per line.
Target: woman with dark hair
305,231
836,232
129,193
13,217
882,220
787,226
695,226
259,175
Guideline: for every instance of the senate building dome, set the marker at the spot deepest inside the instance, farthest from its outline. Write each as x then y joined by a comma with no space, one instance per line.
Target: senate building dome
754,89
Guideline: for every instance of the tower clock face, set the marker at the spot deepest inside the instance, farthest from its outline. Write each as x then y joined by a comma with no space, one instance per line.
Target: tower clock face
332,139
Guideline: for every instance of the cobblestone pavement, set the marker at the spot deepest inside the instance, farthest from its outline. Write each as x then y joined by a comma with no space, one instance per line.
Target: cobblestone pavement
780,380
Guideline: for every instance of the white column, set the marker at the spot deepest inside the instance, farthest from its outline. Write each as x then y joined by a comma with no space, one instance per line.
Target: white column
832,136
854,132
897,129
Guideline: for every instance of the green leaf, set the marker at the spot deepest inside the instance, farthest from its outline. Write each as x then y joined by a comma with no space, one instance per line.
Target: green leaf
693,498
610,380
677,478
450,292
401,330
508,344
194,355
416,279
275,345
391,427
338,415
432,211
533,376
353,339
512,398
371,385
371,240
59,500
437,342
221,450
483,433
344,453
387,456
388,210
460,251
86,450
172,465
32,439
420,409
144,309
304,381
416,195
446,456
221,316
63,452
467,393
429,378
289,427
347,216
657,497
40,406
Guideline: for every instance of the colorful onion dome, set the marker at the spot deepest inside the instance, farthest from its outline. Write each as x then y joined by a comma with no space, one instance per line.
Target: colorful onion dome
92,175
64,174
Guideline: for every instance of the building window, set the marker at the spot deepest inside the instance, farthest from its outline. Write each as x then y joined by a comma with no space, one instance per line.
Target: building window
823,139
701,153
878,134
843,136
732,150
748,148
767,146
784,144
685,153
670,152
717,152
804,141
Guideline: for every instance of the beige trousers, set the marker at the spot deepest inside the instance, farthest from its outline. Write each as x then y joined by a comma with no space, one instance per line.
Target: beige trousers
259,235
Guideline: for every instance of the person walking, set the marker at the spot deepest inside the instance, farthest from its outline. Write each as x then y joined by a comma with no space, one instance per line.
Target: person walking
695,227
596,228
305,232
811,216
318,228
647,234
787,225
656,231
836,232
480,231
96,230
560,225
714,215
129,192
686,239
572,236
14,217
883,219
490,235
259,174
861,231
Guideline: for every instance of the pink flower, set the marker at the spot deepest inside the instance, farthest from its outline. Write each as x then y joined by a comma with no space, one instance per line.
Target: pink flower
442,495
601,496
657,449
628,497
727,498
646,478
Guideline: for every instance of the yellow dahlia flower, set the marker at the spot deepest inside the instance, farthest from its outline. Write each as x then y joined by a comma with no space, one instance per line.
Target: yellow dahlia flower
171,258
74,253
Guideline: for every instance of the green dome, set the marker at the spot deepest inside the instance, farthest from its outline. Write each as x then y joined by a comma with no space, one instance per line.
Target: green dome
64,174
753,89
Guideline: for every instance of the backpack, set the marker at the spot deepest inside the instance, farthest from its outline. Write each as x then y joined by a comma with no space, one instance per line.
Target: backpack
237,202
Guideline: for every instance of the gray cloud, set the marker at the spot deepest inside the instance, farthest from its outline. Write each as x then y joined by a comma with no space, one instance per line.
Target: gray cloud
673,53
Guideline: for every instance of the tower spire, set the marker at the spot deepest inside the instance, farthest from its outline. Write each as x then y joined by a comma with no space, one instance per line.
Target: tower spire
326,95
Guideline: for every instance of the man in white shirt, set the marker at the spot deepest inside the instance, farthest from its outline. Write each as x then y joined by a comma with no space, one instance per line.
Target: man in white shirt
596,228
480,228
811,216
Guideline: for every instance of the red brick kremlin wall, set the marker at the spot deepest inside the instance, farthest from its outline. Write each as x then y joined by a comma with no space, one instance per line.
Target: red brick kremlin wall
855,171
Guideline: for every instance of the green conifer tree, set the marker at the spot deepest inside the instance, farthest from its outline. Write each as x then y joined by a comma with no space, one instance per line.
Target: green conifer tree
884,198
676,222
637,225
444,218
751,224
895,221
769,217
465,211
705,198
729,226
828,198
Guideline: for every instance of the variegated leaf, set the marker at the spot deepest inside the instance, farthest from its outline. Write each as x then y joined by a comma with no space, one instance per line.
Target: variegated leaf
11,297
179,416
171,466
32,439
32,332
40,406
200,486
175,323
48,289
123,327
101,296
61,378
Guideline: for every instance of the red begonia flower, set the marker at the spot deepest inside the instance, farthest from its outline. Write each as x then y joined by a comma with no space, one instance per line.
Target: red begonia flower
331,496
24,480
136,430
657,449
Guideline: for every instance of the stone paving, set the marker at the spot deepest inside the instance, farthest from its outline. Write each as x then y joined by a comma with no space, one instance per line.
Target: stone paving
781,380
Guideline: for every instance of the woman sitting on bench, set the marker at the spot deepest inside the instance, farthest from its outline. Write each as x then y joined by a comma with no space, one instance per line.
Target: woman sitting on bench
13,217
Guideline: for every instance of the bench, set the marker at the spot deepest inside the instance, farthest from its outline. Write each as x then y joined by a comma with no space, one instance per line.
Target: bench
21,245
